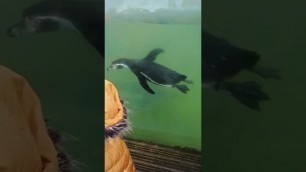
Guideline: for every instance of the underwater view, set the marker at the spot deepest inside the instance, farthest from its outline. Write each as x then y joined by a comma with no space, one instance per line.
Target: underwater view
238,135
159,111
169,116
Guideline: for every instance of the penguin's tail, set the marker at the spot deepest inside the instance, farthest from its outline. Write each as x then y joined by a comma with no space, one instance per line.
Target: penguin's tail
248,93
266,72
182,88
188,81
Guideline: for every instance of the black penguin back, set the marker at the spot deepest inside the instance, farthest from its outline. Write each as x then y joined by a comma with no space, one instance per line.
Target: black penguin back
223,60
159,73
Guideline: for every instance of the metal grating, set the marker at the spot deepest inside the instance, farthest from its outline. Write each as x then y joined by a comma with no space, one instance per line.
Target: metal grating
149,157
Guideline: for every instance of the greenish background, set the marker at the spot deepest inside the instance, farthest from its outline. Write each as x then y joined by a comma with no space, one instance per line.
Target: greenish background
238,139
68,76
169,117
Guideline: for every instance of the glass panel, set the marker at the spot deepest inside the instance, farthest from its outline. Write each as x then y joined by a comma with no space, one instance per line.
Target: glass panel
135,28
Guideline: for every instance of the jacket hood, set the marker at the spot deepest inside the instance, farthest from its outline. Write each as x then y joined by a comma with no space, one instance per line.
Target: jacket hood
116,123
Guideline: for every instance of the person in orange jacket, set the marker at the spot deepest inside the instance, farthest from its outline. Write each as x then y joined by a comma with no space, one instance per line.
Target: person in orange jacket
25,145
117,155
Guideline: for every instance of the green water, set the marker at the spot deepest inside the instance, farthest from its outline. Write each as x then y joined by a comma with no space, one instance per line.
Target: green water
237,139
169,117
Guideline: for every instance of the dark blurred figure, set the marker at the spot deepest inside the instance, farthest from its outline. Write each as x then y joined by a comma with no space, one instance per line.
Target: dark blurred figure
84,17
222,61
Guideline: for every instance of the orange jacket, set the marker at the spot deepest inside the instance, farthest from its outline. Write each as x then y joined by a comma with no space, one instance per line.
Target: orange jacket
117,155
24,142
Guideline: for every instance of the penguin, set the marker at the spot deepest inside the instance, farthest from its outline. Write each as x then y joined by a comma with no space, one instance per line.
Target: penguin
84,17
146,70
222,61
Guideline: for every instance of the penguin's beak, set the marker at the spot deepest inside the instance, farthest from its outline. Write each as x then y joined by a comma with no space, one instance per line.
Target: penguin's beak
30,25
15,30
25,26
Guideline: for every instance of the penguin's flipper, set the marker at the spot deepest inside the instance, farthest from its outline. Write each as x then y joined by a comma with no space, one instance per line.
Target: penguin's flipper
152,54
144,84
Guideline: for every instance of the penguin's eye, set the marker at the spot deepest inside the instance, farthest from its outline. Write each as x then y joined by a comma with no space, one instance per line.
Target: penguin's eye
32,24
36,22
32,21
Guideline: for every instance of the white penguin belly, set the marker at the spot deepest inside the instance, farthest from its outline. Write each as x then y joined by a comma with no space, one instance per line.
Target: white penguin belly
155,81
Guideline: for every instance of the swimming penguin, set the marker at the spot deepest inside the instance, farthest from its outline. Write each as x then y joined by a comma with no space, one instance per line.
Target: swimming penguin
147,70
84,17
222,61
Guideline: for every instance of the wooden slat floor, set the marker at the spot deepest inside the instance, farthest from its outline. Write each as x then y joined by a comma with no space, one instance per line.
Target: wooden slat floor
150,157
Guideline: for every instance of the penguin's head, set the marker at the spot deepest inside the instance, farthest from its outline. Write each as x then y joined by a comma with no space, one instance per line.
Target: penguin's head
84,17
33,24
44,16
119,64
